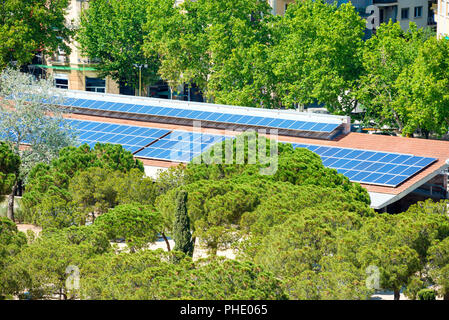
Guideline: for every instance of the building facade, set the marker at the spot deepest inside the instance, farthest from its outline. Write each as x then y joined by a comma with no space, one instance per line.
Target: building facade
402,11
442,18
74,71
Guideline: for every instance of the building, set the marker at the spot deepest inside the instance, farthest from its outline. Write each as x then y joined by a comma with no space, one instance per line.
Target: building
396,171
75,71
442,18
402,11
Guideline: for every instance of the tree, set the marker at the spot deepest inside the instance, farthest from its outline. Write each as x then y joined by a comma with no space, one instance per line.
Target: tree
439,262
150,275
9,169
422,90
25,119
387,55
30,26
181,226
134,186
204,43
304,252
316,54
93,191
387,243
224,196
137,224
11,242
41,268
52,180
112,33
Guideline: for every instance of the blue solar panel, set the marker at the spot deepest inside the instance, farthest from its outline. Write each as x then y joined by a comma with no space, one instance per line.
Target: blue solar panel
132,138
269,122
180,146
371,167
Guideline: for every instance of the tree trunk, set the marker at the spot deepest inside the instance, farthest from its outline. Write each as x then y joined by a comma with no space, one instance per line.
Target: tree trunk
166,241
11,202
397,294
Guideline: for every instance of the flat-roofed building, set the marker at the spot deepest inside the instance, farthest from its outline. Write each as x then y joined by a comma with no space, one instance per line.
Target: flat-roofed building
396,171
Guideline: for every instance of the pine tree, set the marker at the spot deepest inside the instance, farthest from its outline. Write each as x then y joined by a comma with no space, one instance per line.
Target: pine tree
181,227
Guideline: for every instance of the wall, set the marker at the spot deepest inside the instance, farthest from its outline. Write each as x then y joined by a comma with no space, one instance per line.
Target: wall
442,18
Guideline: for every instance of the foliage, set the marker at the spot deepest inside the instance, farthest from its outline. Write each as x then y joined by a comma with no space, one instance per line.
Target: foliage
52,181
9,168
303,252
150,275
316,56
134,186
181,227
25,119
41,267
439,266
112,33
27,27
427,294
93,191
205,43
422,89
387,58
137,224
11,242
222,197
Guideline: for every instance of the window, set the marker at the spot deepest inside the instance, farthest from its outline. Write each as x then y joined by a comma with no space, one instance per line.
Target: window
418,12
404,13
61,81
95,84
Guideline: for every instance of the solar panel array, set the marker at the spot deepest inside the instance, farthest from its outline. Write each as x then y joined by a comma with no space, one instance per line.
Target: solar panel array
370,167
269,122
363,166
132,138
180,146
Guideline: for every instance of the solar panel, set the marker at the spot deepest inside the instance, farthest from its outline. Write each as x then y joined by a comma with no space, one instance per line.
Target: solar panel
370,167
132,138
270,122
180,146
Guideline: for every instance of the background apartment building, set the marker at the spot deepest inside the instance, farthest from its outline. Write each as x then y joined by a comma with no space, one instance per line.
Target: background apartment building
75,71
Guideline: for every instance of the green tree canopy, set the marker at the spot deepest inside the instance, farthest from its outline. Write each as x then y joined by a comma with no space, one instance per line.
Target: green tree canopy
112,33
11,242
150,275
27,27
138,224
41,267
316,56
204,42
9,169
390,53
422,90
52,181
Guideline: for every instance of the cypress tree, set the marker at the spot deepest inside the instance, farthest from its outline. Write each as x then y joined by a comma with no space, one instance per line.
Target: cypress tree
181,227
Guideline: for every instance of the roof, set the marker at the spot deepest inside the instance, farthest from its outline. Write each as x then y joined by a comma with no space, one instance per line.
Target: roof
380,195
287,122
